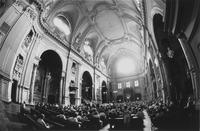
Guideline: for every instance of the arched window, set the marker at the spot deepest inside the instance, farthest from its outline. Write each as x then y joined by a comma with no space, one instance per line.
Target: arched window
63,24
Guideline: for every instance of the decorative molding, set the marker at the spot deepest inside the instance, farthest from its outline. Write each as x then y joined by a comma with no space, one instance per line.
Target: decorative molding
31,13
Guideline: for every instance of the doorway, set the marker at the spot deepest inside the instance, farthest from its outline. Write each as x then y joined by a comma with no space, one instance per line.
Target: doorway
14,91
86,87
104,92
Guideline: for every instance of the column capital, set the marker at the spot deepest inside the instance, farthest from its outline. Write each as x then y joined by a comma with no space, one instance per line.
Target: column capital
37,60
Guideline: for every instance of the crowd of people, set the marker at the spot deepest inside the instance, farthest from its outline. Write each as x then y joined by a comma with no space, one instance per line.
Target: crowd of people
174,115
96,116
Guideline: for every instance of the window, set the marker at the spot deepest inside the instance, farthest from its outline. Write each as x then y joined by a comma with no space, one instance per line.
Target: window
136,83
128,85
119,85
62,24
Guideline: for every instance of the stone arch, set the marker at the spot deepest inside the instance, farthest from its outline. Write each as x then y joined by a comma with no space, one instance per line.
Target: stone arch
155,10
104,92
48,77
40,52
87,89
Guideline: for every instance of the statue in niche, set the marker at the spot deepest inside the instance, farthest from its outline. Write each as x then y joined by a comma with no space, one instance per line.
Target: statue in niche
73,69
18,67
27,41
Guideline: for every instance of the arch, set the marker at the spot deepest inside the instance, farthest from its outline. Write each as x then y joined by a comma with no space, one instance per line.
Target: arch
63,24
104,92
87,90
48,77
155,11
43,49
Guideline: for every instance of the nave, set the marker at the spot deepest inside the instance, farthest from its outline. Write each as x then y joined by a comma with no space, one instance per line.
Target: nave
137,115
99,65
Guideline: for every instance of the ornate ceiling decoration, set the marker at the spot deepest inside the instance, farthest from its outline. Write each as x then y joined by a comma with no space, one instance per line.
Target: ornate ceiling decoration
111,26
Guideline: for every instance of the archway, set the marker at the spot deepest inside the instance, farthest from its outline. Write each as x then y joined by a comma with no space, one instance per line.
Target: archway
180,84
47,83
104,92
86,87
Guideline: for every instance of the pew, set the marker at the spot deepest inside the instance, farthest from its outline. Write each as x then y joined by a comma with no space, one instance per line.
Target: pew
136,123
118,123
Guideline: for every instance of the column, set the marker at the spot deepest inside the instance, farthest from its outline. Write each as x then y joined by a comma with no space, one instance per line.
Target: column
196,74
78,82
32,84
46,87
61,90
67,82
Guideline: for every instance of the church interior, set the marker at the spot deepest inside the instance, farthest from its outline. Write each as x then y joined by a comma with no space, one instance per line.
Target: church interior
100,65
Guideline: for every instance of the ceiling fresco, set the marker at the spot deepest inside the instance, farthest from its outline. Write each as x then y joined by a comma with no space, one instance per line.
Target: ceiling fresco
113,27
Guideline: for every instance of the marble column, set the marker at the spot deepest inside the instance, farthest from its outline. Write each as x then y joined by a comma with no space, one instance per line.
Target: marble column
78,83
61,90
46,87
32,84
67,82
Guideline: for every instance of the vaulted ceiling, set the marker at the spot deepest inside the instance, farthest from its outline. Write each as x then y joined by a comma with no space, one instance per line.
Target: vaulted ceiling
113,27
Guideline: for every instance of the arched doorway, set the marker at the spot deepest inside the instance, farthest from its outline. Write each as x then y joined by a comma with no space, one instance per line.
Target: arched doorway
86,87
48,76
176,67
104,92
